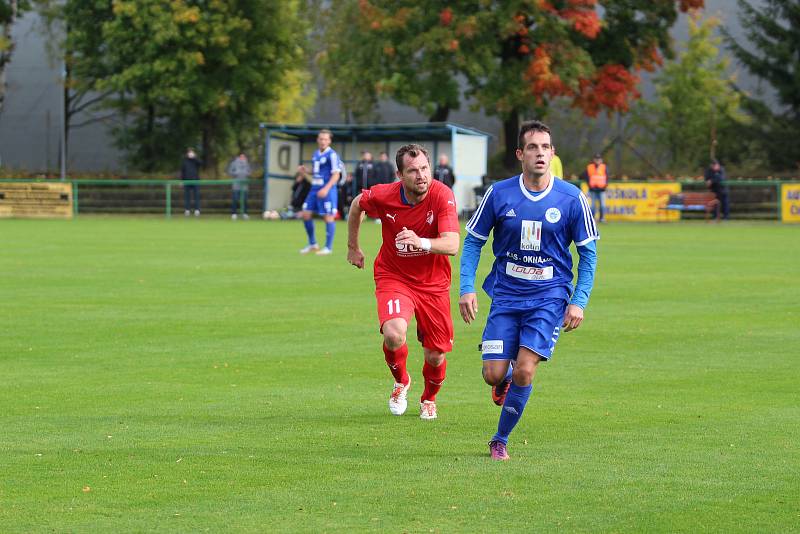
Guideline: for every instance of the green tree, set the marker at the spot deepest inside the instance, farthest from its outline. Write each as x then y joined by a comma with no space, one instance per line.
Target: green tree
774,32
186,72
695,96
511,58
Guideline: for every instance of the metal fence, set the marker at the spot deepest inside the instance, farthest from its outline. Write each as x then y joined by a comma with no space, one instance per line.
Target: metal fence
749,199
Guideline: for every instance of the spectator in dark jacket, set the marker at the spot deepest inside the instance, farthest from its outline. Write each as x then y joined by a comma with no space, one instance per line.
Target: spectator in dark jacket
364,176
444,172
717,183
190,170
384,170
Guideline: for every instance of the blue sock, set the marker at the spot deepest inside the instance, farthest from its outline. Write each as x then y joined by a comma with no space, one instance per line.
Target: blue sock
515,403
330,229
309,224
510,371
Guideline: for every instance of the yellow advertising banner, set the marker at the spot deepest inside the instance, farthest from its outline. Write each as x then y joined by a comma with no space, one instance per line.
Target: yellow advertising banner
639,201
790,203
39,200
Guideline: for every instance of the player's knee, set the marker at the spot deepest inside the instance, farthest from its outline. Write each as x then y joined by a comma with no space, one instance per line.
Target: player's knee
434,358
394,338
522,377
394,341
493,376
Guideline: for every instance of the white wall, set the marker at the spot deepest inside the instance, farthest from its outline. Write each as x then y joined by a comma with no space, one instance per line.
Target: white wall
469,166
284,156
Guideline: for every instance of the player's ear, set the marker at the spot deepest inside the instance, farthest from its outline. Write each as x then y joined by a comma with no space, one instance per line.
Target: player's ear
519,154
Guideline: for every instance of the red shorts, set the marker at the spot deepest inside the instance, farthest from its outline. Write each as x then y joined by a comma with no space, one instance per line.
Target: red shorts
434,322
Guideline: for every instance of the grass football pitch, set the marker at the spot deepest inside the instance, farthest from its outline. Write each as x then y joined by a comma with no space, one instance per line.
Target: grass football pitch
200,375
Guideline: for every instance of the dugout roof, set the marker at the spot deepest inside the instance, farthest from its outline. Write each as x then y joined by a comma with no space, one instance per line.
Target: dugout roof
424,131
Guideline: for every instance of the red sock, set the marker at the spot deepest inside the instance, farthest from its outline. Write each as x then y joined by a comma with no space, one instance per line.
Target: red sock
396,360
434,376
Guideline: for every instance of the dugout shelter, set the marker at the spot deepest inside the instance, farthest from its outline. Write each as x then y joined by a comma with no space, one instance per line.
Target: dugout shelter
287,146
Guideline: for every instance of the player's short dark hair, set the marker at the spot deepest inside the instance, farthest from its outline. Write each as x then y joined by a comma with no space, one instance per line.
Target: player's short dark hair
326,131
532,126
413,150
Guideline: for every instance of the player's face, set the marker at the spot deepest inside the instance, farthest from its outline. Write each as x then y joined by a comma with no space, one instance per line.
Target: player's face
323,141
536,154
416,174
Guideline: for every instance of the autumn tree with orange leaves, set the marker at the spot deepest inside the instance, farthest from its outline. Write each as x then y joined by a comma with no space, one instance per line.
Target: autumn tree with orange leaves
511,58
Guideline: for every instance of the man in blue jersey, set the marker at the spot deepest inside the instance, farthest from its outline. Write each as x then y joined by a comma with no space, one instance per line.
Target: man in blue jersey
322,198
535,217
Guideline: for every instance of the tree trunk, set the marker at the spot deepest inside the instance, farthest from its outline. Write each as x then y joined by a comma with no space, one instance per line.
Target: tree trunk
441,114
150,158
209,156
511,135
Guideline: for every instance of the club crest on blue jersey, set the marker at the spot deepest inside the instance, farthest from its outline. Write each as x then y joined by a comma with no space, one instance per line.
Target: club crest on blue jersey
553,215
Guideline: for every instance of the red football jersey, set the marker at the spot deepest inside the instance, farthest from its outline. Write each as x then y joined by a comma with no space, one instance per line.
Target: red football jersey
434,215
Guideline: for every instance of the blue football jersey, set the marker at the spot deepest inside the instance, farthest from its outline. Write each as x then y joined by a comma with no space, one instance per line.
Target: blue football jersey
325,164
532,235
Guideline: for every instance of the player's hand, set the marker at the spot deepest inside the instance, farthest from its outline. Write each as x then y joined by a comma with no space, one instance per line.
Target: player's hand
573,318
468,306
407,237
355,257
322,193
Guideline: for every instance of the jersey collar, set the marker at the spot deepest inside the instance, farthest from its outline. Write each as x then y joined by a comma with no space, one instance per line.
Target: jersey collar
403,198
540,196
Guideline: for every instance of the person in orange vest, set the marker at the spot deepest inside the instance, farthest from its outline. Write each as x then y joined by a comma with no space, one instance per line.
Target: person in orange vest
596,176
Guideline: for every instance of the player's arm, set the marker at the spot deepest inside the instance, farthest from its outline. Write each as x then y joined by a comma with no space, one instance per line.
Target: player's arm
447,227
470,256
354,254
336,173
323,191
478,229
447,242
587,266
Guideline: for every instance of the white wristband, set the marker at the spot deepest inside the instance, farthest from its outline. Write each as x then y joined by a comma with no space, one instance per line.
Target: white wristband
424,243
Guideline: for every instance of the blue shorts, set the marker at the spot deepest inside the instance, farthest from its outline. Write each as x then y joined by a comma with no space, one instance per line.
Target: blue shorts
322,206
533,324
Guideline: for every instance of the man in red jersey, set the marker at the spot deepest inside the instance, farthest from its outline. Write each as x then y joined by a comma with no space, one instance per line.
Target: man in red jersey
412,272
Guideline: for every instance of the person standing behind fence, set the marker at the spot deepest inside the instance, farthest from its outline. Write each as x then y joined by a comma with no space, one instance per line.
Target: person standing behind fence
717,183
384,170
596,176
365,175
342,191
444,172
190,170
323,197
239,170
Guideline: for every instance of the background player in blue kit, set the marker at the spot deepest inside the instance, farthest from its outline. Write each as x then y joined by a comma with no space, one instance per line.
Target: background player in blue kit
322,198
535,217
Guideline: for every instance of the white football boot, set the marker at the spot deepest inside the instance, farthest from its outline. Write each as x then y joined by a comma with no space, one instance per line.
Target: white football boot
427,410
398,400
